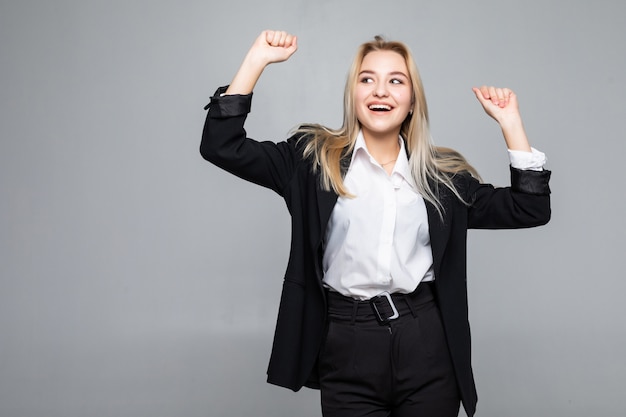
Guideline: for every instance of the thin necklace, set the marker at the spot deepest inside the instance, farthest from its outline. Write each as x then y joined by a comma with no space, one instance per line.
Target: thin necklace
387,163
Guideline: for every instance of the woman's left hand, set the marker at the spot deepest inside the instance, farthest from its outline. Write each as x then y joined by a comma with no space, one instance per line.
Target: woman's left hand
499,103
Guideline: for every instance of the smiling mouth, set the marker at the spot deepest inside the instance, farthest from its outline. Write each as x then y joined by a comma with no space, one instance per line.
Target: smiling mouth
379,107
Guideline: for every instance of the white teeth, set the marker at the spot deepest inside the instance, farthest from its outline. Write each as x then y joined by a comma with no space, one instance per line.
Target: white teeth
380,107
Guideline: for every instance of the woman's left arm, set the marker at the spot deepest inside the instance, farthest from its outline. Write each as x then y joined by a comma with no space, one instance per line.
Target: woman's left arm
526,203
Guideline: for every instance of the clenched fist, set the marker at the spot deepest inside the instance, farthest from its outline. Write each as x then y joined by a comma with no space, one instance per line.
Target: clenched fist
274,46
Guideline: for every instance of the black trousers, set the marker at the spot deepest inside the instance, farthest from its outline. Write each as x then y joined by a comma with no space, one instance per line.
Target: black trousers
398,369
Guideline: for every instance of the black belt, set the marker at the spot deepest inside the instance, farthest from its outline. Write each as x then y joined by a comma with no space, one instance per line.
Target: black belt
384,307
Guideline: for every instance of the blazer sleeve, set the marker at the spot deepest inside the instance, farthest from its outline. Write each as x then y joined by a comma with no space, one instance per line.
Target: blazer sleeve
225,144
526,203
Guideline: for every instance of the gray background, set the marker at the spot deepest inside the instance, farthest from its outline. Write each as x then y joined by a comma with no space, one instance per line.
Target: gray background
138,280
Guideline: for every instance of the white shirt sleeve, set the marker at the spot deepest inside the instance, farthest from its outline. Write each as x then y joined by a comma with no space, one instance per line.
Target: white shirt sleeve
533,160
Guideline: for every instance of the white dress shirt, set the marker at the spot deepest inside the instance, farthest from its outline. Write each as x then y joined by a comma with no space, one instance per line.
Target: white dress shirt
379,240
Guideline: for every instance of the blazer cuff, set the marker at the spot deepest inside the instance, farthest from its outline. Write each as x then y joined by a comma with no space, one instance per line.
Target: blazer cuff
222,106
530,182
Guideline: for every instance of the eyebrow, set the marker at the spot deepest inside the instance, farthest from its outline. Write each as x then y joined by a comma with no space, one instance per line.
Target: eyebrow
396,73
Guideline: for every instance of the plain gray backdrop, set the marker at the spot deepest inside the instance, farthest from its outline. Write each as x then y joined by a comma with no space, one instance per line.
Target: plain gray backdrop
138,280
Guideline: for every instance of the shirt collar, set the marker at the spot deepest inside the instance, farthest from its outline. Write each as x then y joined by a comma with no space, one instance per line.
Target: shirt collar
402,163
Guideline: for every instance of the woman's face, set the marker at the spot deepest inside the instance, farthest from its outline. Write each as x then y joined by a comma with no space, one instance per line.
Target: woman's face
383,94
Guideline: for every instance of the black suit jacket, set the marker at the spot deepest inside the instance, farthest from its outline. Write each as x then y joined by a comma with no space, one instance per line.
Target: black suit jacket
302,311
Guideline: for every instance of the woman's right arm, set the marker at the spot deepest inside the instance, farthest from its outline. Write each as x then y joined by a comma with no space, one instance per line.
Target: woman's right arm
270,47
224,141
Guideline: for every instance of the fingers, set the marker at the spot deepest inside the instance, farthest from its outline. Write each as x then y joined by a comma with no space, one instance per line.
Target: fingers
499,103
279,38
273,46
500,97
480,95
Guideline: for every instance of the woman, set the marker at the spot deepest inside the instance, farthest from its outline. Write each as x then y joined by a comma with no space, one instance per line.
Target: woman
374,303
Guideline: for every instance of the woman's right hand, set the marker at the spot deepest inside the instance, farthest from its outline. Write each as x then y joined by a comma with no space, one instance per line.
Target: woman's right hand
271,46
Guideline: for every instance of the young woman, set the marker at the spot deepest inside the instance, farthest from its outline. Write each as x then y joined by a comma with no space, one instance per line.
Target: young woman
374,303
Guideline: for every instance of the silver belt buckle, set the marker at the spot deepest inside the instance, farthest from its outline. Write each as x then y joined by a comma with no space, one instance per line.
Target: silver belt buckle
379,317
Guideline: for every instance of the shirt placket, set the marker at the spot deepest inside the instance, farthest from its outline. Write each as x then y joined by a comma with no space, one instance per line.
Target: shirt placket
385,246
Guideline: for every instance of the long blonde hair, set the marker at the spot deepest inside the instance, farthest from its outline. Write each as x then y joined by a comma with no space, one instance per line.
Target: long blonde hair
430,165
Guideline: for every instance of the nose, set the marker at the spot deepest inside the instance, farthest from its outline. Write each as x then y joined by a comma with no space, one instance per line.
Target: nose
380,90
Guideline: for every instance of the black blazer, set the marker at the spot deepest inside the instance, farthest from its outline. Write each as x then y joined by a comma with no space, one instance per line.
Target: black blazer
302,311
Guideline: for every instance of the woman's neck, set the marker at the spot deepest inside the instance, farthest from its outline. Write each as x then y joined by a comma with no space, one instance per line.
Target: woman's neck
384,149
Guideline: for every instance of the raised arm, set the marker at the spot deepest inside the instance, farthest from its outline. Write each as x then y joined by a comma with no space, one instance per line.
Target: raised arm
526,203
224,139
501,104
271,46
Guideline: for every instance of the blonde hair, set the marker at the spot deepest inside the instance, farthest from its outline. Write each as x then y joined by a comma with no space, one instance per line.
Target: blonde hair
430,165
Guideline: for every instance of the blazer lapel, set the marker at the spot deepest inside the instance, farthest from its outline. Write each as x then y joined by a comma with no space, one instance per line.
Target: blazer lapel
439,234
325,203
326,199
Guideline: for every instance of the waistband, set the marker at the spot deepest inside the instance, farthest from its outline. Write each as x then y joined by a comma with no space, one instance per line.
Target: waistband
383,308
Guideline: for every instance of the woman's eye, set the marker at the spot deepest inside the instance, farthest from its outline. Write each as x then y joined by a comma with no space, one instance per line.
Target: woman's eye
396,81
366,80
